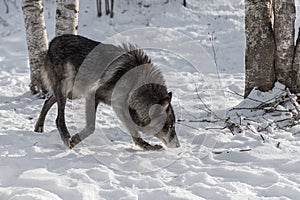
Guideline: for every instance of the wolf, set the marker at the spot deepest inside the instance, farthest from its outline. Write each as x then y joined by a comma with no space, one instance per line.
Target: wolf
120,76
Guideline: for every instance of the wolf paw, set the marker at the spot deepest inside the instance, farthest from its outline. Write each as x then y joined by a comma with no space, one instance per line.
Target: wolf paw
67,142
74,140
39,129
156,147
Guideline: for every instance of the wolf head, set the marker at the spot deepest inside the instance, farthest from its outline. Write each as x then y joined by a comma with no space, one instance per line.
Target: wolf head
168,134
152,112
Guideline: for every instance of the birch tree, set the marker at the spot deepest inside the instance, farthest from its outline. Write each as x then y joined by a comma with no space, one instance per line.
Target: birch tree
36,38
66,17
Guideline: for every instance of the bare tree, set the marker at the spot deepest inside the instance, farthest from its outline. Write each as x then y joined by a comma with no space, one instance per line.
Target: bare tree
296,64
36,37
284,32
107,10
260,45
271,54
66,17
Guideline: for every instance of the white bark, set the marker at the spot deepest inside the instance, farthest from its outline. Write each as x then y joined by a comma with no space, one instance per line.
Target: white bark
284,30
66,17
36,37
260,46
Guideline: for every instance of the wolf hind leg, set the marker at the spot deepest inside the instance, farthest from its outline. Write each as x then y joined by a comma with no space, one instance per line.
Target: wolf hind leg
60,120
90,111
39,126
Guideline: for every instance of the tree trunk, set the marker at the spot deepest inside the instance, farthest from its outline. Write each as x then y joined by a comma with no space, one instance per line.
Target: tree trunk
296,65
284,29
260,46
66,17
112,9
99,11
36,37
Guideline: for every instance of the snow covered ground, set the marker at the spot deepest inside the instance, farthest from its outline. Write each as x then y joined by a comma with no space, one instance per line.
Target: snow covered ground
181,42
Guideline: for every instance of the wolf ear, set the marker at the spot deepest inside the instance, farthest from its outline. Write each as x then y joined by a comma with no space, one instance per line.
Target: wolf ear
170,96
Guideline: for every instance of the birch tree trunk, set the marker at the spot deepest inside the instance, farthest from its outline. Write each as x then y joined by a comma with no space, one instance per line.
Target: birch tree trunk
36,38
284,29
260,46
66,17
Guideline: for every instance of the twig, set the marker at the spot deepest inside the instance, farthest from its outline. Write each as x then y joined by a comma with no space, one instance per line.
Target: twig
278,145
229,151
189,126
232,126
233,92
210,111
212,39
216,128
240,118
244,150
203,120
297,133
6,6
251,120
277,101
295,104
251,108
267,109
262,137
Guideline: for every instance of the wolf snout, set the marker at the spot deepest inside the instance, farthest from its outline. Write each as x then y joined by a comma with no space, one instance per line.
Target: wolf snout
174,143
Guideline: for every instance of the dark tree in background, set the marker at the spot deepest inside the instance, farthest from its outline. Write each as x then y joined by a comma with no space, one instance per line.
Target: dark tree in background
271,54
107,9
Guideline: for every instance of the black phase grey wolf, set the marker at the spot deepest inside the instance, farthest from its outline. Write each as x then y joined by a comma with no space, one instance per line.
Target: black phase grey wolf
120,76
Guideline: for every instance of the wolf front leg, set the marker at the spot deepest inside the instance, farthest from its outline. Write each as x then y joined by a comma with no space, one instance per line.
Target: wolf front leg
132,128
145,145
90,112
39,126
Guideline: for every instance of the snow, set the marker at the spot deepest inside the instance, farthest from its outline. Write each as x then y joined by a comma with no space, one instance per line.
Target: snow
211,163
